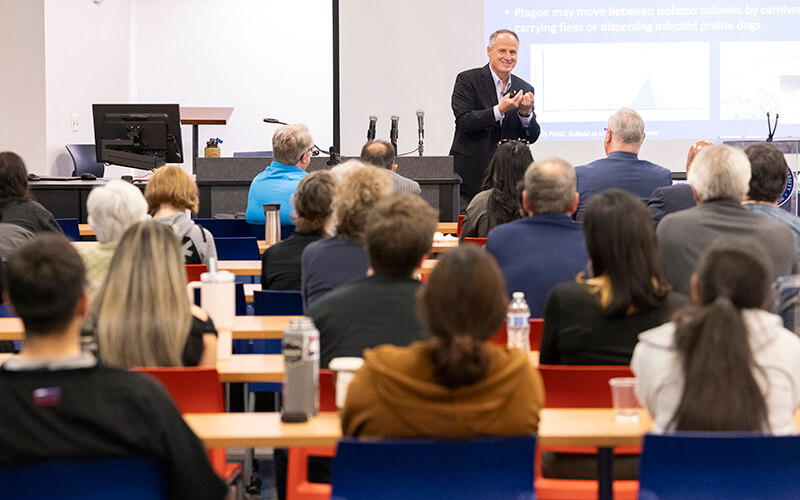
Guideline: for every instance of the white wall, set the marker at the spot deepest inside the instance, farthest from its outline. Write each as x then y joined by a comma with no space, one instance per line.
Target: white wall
87,60
263,58
22,86
397,57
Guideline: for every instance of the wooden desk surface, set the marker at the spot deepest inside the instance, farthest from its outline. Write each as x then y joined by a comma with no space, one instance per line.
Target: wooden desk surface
205,116
239,367
447,227
558,427
244,327
441,246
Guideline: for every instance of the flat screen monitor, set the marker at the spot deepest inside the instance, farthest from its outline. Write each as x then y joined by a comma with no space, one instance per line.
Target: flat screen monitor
142,136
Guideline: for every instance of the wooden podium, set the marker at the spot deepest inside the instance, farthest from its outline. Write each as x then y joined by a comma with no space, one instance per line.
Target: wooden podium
202,116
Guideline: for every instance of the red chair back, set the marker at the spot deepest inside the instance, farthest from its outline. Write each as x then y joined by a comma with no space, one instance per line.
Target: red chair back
194,390
459,224
580,386
193,272
327,390
481,242
537,324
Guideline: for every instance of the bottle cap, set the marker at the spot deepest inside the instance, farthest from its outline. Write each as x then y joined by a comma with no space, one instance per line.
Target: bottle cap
518,295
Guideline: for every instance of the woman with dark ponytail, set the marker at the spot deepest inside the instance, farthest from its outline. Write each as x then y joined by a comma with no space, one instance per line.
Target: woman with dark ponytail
454,385
723,364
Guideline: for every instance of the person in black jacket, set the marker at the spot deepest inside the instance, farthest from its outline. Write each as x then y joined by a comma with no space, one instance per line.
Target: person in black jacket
60,402
490,104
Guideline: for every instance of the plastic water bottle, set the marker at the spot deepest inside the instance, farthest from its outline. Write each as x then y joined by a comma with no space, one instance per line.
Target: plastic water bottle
300,347
518,326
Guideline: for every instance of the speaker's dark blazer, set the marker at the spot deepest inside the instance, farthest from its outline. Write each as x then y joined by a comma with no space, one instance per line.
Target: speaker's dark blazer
477,132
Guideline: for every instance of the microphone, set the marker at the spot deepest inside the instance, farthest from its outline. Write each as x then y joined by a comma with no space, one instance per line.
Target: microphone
371,130
420,130
274,120
393,132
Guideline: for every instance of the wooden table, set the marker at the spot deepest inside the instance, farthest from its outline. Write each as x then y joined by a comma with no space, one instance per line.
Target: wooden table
251,368
244,327
442,246
202,116
447,227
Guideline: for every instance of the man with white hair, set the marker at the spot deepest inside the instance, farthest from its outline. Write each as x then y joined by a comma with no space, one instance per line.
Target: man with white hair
621,168
292,149
112,209
720,179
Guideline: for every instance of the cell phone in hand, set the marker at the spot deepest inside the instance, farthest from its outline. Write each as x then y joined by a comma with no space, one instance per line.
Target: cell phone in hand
512,93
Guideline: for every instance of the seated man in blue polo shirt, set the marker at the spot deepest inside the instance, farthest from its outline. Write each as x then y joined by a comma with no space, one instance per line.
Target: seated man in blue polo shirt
292,148
622,167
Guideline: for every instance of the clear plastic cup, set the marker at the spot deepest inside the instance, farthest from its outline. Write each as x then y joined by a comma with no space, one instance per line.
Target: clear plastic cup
623,395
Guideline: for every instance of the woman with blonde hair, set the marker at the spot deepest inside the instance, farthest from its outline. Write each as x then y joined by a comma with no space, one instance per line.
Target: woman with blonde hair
169,194
141,314
331,262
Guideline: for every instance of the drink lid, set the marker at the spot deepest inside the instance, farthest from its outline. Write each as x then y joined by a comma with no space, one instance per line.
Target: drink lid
218,277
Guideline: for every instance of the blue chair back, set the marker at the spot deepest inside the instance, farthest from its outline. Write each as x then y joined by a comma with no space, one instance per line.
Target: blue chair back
123,478
227,228
84,160
278,303
719,465
481,468
70,228
245,248
252,154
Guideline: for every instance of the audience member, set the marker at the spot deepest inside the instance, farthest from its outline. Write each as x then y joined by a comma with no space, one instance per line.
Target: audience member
546,247
170,193
723,364
331,262
497,203
622,167
59,402
292,149
381,154
16,205
596,321
141,314
668,199
280,264
455,385
720,178
112,209
379,309
768,170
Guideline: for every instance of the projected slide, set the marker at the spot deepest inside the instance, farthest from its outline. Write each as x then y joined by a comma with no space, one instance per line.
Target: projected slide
692,69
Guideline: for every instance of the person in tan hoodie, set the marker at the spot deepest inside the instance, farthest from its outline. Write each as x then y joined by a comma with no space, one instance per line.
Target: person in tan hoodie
454,385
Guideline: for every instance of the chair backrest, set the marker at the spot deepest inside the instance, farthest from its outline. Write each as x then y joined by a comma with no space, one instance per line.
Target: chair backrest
277,303
580,386
252,154
719,465
84,160
537,325
124,478
481,242
481,468
227,228
460,224
194,271
71,229
245,248
327,390
194,389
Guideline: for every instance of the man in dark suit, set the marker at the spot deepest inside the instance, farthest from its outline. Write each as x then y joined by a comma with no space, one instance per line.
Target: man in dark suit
537,252
622,167
668,199
490,104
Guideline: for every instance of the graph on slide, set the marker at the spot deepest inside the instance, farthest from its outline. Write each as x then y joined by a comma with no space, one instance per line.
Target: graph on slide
583,82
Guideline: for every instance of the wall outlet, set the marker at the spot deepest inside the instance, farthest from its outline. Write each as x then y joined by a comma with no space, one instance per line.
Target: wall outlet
75,124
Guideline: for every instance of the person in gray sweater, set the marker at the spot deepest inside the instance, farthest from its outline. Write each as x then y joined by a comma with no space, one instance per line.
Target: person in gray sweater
170,193
720,178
